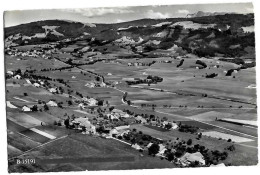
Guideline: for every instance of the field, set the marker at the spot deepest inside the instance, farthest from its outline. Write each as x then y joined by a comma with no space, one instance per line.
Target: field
185,96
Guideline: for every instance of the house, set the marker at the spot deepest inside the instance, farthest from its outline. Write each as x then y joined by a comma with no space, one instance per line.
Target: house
122,127
113,131
26,109
36,85
10,72
112,116
28,81
188,158
137,147
149,145
162,150
174,125
17,77
53,90
84,122
140,119
52,103
81,105
126,115
90,85
153,123
90,101
102,84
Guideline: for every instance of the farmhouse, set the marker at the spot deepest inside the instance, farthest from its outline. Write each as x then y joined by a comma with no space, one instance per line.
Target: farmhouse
90,101
10,72
188,158
26,109
28,81
90,85
137,147
36,85
52,103
85,123
124,127
53,90
174,125
17,77
162,149
81,105
140,119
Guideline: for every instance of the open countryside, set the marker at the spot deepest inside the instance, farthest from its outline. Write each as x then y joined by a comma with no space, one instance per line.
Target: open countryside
142,94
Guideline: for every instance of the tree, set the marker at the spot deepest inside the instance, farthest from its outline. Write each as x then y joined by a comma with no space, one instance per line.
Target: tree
34,108
25,94
153,149
100,103
170,157
46,108
111,108
67,122
189,142
69,102
98,78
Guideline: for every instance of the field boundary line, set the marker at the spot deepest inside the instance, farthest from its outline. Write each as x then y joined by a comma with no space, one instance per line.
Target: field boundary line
38,147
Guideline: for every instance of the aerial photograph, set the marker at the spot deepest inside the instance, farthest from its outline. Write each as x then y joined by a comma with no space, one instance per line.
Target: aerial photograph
130,88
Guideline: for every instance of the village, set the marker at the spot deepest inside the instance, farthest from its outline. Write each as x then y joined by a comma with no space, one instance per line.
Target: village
111,123
142,94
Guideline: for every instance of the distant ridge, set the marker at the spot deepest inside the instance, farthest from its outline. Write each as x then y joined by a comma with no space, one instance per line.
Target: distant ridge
201,13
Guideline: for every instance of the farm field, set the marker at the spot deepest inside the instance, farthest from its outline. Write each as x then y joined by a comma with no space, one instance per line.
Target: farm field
142,94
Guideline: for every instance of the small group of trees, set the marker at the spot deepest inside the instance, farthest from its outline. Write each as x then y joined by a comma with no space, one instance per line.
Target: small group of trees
188,128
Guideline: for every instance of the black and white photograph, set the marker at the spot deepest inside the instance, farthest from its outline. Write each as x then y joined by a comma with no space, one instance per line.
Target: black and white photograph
130,87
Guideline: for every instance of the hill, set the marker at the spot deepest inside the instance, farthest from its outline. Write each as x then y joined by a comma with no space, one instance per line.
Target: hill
213,35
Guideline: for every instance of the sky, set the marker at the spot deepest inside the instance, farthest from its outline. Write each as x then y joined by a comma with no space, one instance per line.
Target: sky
120,14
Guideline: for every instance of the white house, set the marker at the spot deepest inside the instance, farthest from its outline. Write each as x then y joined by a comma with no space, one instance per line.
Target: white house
140,119
53,90
36,85
122,127
187,158
137,147
113,131
10,72
81,105
84,122
90,101
90,85
149,145
17,77
26,109
52,103
28,81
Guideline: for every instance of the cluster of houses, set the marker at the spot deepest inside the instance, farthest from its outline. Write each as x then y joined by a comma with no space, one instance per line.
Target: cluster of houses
87,101
33,53
185,160
95,84
140,63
